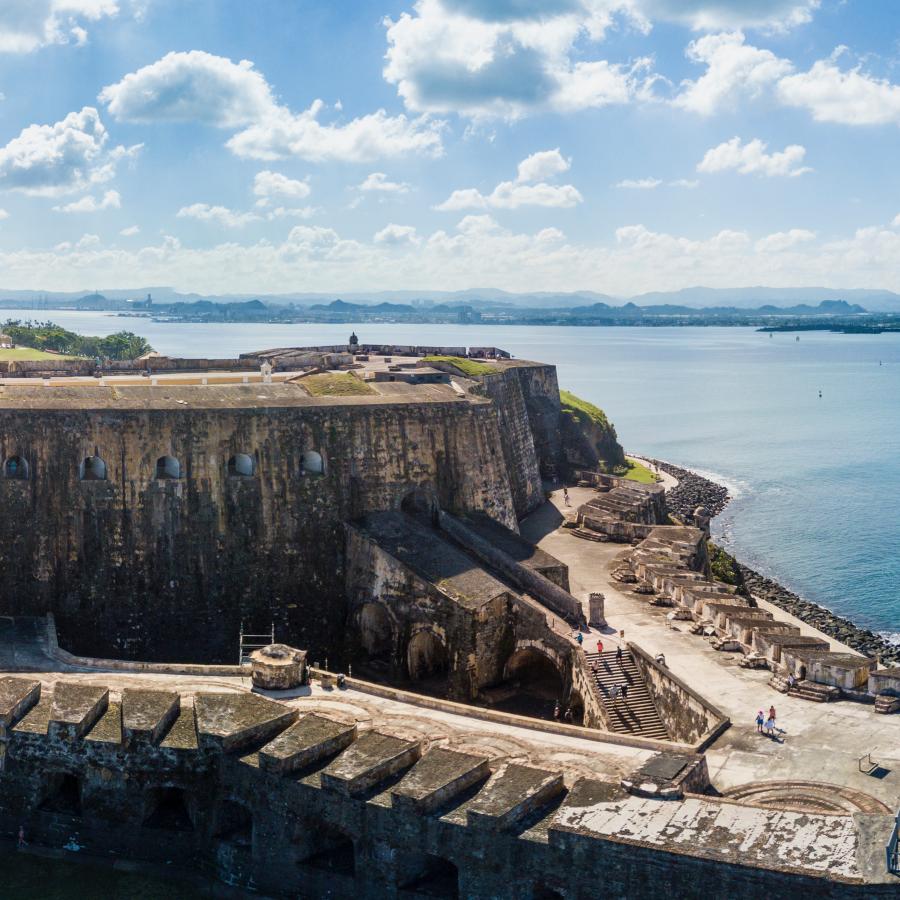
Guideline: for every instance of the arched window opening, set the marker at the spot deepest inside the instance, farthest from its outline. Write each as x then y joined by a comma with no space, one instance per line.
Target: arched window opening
332,851
168,808
93,469
241,465
537,683
167,467
311,463
234,824
15,468
434,876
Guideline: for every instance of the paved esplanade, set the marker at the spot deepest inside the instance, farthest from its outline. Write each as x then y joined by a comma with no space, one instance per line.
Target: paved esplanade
823,742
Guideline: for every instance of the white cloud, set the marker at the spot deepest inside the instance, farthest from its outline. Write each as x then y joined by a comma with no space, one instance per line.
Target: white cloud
68,156
3,214
751,159
784,240
268,184
847,97
542,165
88,240
200,87
220,215
712,15
896,222
734,71
505,58
641,184
90,204
521,192
689,183
283,212
379,182
195,87
130,231
26,25
397,235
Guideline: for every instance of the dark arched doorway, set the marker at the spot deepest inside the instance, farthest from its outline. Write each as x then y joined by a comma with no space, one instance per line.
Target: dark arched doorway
535,684
376,638
427,662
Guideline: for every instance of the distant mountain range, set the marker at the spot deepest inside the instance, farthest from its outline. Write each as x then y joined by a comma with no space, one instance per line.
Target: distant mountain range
744,298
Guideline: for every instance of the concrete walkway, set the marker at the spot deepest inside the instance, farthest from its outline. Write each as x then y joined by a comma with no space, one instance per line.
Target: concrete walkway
823,742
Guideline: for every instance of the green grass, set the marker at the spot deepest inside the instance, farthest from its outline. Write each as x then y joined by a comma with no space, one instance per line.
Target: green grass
638,472
335,384
31,353
468,367
582,410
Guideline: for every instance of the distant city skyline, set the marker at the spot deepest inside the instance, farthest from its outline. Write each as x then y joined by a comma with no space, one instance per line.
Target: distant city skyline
617,146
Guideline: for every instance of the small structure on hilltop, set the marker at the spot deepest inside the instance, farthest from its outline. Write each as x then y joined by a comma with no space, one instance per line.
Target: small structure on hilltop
6,342
278,667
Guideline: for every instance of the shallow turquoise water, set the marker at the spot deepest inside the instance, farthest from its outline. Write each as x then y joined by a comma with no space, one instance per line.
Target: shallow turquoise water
816,480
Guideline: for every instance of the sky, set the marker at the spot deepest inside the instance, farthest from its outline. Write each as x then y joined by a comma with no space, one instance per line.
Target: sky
617,146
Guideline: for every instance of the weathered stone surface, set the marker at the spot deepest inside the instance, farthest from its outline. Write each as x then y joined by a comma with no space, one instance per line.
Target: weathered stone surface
312,738
511,795
148,715
438,777
17,696
278,667
232,722
75,709
371,759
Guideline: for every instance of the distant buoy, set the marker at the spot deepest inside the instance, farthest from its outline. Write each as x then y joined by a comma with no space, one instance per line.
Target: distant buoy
798,337
820,395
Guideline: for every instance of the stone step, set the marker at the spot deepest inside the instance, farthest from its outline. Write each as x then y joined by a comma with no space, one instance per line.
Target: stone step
436,778
373,758
17,696
147,716
887,703
230,722
307,741
511,795
75,709
587,535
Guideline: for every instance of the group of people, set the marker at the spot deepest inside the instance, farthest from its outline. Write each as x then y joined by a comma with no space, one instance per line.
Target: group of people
568,716
766,724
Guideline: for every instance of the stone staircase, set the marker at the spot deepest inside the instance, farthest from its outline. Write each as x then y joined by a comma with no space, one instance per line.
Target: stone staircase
635,713
886,703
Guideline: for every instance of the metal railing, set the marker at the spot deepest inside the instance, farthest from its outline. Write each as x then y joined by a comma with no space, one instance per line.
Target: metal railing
892,850
249,642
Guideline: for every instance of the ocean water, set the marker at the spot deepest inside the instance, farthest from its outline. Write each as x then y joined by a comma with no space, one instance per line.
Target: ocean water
815,480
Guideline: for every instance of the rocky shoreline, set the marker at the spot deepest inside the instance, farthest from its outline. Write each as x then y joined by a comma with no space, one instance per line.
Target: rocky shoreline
694,490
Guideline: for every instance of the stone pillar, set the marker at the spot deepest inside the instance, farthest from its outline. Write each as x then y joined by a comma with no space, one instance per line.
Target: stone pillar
596,617
278,667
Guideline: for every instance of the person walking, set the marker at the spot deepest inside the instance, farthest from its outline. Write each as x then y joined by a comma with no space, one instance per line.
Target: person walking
770,726
760,721
772,713
566,496
568,716
619,654
21,837
599,646
624,690
556,711
580,638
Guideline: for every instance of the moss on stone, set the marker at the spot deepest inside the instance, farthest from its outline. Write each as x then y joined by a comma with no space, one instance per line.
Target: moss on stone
336,384
469,367
724,566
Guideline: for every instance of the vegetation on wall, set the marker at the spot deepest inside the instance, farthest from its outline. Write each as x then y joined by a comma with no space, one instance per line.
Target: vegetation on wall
335,384
723,566
582,410
47,336
589,438
470,367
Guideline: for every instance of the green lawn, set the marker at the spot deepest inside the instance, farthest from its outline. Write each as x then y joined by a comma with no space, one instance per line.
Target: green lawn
335,384
469,367
639,472
31,353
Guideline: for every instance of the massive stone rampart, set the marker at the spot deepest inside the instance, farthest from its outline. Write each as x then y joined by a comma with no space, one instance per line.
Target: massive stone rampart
135,565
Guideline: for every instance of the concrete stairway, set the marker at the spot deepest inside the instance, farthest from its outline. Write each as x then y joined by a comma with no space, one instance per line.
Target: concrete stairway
806,690
636,712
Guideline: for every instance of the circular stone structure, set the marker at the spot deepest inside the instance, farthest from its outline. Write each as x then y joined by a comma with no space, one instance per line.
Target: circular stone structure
806,796
278,667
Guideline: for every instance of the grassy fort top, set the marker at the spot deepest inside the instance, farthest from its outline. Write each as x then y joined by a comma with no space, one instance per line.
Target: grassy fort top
337,375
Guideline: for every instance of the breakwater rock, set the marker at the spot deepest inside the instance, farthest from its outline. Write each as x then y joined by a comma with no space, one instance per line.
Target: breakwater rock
837,627
693,490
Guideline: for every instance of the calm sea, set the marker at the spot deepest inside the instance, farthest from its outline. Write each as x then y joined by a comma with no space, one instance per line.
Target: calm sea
816,480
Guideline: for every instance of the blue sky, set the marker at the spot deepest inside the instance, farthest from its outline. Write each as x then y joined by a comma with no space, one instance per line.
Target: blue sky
288,145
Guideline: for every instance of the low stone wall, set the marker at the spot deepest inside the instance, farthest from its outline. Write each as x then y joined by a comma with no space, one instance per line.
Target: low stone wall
689,717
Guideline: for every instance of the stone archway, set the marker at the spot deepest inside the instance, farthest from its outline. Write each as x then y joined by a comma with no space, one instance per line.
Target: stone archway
533,681
376,631
426,657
